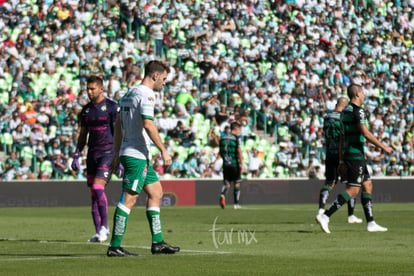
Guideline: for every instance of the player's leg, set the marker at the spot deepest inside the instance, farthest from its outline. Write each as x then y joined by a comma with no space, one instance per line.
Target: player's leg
353,186
236,192
102,177
366,201
101,205
154,191
94,207
341,199
122,212
236,188
91,169
324,195
224,190
226,186
331,178
132,185
351,207
236,195
352,189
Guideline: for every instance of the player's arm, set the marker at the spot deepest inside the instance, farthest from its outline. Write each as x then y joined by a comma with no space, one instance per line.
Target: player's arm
341,141
152,132
117,144
240,153
113,116
117,136
342,170
371,138
341,166
83,135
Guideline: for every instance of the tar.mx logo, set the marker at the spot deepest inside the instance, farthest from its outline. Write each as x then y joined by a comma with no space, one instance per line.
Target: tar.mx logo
223,236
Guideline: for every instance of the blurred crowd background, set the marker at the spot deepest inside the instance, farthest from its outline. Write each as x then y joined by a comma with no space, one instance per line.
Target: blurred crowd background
277,67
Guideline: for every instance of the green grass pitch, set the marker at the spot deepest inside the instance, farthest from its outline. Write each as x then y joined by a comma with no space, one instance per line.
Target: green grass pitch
255,240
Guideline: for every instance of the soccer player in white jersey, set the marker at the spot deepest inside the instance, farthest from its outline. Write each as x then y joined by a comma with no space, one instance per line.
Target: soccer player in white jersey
135,131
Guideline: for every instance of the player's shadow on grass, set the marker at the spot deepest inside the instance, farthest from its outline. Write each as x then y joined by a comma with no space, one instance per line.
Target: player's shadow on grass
43,255
40,255
31,240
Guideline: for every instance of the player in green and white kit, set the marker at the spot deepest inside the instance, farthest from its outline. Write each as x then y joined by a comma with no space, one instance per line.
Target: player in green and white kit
232,156
135,131
332,128
353,170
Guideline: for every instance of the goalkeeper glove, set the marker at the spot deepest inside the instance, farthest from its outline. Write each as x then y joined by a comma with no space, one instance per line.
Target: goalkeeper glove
120,170
75,163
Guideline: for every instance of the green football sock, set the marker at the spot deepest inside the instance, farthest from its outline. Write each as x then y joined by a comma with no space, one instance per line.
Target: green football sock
236,194
154,220
120,224
366,201
340,200
351,206
323,196
224,190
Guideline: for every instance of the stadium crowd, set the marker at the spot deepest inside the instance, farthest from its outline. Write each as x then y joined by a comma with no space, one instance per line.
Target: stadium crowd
275,66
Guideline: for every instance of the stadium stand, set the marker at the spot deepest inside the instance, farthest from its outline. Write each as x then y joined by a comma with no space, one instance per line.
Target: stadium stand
277,66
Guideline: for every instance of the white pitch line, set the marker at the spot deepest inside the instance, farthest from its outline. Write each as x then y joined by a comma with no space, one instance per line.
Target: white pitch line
251,208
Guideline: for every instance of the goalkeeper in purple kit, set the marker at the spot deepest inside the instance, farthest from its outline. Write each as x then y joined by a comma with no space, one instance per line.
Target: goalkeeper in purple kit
96,124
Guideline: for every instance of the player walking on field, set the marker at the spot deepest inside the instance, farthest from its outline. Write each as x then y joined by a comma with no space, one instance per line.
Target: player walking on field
332,128
353,168
97,120
232,156
135,130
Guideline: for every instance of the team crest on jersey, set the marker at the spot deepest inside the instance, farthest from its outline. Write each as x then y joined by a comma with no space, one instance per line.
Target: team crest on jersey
103,108
151,99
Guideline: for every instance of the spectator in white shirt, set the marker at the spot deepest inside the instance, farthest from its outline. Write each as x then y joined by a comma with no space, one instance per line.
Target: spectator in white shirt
255,163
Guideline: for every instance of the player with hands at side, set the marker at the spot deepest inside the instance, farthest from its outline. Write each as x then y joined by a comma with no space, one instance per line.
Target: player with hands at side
353,167
96,124
231,153
135,131
332,128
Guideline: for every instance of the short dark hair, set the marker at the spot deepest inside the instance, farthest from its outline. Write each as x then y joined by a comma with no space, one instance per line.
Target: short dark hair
95,79
353,89
234,125
155,66
341,101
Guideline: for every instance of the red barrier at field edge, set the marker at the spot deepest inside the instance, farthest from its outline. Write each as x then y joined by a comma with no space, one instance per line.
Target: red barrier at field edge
190,192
